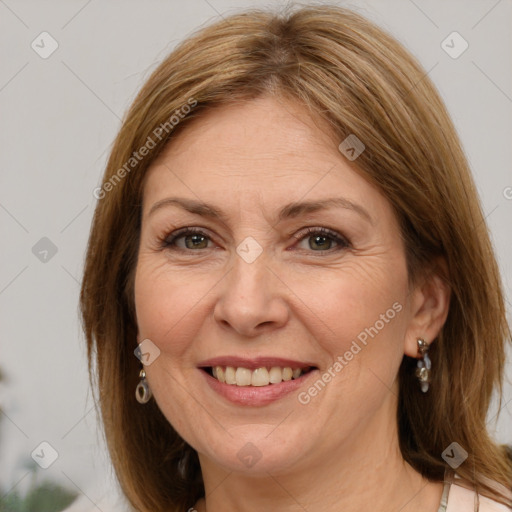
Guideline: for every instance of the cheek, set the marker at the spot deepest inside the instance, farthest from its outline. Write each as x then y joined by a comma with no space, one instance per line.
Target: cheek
168,309
362,318
362,300
168,303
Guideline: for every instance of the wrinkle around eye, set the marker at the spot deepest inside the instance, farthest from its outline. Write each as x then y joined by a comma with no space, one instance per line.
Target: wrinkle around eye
164,234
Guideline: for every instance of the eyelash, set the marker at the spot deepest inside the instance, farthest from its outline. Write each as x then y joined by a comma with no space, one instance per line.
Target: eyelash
169,241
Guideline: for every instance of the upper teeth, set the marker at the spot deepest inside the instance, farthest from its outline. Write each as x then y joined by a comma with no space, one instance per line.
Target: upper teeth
259,377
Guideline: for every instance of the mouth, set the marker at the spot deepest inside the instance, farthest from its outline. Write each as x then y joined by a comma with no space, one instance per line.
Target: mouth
255,382
258,377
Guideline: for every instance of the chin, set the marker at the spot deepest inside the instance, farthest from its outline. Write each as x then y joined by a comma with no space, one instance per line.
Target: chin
257,449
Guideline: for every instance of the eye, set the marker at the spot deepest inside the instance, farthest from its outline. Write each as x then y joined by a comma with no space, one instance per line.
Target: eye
322,239
319,240
187,238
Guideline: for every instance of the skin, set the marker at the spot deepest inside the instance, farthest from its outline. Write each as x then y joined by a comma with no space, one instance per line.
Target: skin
299,299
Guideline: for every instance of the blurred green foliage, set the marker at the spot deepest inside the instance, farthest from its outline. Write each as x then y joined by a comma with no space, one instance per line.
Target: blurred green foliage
45,497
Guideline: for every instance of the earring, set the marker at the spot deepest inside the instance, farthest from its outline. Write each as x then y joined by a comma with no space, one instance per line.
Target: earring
423,365
143,391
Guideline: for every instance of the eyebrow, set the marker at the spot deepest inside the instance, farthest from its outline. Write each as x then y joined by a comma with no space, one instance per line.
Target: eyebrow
291,210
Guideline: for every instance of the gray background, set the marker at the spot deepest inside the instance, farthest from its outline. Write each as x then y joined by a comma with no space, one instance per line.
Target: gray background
59,117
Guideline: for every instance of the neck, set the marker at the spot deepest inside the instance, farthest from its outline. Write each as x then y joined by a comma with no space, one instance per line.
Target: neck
365,472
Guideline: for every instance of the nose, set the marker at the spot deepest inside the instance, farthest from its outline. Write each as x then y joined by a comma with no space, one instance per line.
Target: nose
252,299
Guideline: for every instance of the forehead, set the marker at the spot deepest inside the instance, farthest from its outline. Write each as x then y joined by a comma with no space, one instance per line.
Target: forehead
262,151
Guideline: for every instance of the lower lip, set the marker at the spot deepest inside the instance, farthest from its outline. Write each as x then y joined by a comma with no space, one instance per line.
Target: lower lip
256,395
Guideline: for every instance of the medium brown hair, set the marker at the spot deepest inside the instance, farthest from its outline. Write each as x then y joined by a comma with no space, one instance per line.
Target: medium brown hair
342,68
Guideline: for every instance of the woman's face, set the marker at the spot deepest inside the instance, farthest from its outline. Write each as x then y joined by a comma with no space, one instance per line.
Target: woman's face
295,263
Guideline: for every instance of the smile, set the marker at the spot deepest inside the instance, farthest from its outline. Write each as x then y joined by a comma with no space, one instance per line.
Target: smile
255,382
263,376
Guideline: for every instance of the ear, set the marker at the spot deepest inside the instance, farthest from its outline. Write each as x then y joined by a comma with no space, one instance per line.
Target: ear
429,303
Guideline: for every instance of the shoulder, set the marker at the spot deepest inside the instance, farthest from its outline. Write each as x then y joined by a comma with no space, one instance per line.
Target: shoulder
461,499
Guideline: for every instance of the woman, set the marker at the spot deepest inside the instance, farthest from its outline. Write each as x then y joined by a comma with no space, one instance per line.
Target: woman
289,240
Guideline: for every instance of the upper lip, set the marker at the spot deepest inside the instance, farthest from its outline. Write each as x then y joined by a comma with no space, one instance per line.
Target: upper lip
253,363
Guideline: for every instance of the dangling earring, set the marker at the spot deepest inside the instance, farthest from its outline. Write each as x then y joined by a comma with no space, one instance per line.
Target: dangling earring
423,365
143,391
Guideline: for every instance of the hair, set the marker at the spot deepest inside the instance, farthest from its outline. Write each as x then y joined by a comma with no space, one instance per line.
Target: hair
341,68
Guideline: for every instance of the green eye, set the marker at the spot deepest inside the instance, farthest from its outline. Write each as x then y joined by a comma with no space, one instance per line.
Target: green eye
193,239
322,239
319,240
196,241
